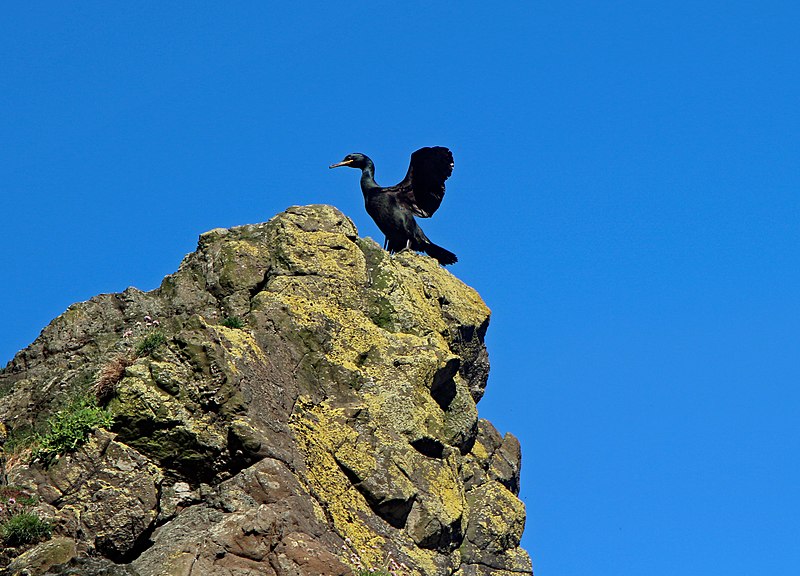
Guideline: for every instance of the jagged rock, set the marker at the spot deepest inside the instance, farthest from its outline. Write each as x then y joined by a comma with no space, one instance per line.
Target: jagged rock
312,408
105,494
493,458
261,519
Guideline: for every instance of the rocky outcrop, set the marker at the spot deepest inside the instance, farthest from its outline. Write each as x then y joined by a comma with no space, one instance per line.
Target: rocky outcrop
292,401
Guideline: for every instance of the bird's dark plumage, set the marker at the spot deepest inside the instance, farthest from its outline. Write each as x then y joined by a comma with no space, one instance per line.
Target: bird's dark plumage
420,193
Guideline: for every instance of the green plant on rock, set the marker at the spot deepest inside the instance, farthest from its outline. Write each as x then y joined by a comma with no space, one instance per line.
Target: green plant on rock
70,427
150,343
24,528
233,322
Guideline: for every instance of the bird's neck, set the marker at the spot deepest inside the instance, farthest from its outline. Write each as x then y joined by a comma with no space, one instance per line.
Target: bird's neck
368,177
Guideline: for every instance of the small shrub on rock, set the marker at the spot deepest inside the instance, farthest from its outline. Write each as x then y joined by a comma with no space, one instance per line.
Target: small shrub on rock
233,322
70,427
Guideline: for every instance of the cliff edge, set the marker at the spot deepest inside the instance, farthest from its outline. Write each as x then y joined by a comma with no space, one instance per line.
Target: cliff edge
292,401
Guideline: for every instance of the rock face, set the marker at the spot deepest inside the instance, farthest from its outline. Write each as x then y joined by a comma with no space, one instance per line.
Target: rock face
308,408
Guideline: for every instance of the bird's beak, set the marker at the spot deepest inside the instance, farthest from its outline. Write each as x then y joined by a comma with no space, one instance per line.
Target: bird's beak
342,163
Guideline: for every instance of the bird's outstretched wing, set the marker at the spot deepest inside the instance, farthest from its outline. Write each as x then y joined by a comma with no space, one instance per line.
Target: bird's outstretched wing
422,189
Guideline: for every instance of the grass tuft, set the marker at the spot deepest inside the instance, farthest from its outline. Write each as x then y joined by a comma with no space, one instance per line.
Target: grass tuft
24,528
150,343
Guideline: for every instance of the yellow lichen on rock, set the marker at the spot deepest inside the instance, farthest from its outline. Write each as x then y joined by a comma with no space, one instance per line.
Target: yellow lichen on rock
438,285
240,345
446,490
496,518
317,437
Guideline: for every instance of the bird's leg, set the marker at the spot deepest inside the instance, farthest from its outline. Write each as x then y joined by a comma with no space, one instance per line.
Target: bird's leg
406,247
385,243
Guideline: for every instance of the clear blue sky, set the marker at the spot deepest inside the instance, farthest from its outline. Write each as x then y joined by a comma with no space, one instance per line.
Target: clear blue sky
625,198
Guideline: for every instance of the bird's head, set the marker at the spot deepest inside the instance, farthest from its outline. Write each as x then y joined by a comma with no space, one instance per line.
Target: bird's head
354,160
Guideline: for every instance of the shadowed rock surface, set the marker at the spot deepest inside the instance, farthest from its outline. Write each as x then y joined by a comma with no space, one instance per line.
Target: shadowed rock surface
311,408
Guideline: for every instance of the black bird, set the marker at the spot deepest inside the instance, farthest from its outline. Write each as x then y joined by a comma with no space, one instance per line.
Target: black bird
420,193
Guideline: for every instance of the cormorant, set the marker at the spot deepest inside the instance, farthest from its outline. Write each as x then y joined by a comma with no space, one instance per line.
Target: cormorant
420,193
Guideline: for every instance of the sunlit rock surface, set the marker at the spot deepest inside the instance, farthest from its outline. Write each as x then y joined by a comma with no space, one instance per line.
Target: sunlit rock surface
310,411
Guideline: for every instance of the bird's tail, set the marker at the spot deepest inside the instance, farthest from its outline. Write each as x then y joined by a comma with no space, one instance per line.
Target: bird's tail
443,255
